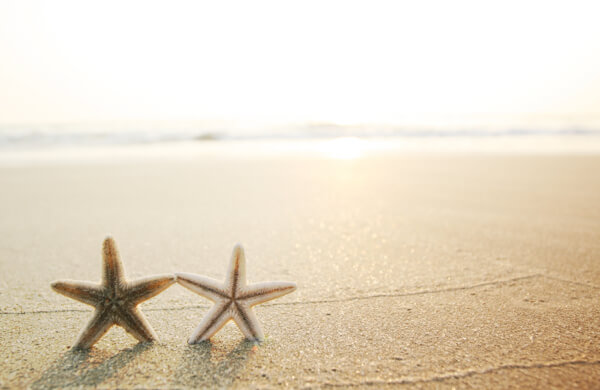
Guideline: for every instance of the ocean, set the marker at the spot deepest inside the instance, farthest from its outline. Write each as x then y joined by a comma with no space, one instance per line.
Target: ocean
75,141
140,132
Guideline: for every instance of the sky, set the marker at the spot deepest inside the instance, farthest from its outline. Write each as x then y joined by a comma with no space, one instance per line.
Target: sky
339,61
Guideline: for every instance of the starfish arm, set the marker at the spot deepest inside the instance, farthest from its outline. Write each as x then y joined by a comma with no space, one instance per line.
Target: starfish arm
95,329
86,292
236,276
146,288
246,320
263,292
207,287
135,323
112,267
212,322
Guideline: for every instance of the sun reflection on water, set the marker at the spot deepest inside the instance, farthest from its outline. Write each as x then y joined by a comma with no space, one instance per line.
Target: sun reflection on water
344,148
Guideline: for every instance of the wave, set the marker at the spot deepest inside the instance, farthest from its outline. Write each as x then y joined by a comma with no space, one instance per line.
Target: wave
128,134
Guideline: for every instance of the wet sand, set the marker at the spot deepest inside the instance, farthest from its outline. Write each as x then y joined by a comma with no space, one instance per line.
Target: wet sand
413,270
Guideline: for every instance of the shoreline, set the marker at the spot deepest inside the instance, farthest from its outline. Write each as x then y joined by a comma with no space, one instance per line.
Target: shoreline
340,148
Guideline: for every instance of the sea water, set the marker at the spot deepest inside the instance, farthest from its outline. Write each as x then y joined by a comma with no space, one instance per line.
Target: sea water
185,139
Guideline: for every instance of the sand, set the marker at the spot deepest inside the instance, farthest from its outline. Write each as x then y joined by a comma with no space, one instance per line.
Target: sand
412,270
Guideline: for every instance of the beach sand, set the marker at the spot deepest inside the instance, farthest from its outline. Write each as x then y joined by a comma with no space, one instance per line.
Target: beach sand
421,270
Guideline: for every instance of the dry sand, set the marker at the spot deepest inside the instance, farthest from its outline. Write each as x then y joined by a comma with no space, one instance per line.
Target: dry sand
412,270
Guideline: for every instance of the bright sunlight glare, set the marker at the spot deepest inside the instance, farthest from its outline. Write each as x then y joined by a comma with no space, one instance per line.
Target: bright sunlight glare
343,148
346,62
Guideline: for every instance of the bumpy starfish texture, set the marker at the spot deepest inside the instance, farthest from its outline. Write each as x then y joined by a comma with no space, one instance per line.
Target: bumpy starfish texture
233,299
115,299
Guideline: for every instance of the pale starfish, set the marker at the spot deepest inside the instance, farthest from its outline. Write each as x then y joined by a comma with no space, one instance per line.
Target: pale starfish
115,299
233,299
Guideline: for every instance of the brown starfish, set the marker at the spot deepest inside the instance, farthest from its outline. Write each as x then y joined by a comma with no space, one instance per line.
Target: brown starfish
233,299
115,299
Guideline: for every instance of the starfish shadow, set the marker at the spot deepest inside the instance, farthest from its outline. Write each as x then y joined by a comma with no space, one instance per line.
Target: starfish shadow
77,368
199,370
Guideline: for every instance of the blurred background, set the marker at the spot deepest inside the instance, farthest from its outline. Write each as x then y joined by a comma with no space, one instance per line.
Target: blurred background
336,78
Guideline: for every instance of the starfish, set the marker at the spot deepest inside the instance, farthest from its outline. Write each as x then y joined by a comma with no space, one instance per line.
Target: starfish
233,299
115,299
